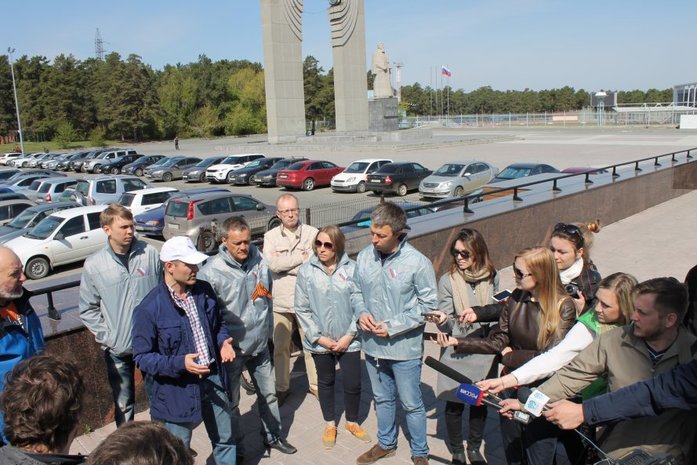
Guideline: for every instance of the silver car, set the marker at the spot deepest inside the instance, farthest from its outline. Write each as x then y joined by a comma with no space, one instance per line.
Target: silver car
170,170
456,179
105,189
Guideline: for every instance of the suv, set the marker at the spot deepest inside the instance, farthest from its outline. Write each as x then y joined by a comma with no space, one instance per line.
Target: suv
50,188
225,171
94,164
106,189
198,216
352,179
5,157
143,200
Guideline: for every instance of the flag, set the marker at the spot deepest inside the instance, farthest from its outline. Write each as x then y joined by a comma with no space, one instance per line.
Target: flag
445,71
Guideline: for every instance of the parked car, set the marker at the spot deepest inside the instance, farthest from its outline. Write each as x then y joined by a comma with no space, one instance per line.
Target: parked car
8,173
138,167
456,179
152,221
198,216
23,174
34,162
143,200
197,173
243,175
362,218
353,178
76,164
12,207
12,195
63,237
522,170
44,162
307,175
170,170
23,182
93,165
23,161
5,157
62,163
268,177
399,178
30,218
115,166
106,189
224,171
50,188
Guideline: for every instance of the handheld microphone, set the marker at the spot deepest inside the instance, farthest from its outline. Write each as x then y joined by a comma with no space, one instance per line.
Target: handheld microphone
444,369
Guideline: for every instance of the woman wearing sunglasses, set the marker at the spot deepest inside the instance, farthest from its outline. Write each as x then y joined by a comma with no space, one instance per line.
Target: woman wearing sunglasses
323,309
471,280
570,244
535,318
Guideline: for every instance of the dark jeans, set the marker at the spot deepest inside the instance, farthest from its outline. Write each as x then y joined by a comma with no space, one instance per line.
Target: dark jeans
511,434
350,363
121,370
546,444
453,425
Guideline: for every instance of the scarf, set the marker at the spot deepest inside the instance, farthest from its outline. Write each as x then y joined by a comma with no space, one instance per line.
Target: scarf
460,282
571,272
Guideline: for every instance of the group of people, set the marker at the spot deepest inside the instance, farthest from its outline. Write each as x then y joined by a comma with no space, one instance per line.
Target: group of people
193,329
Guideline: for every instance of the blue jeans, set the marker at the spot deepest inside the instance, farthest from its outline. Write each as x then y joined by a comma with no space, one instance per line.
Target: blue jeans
120,370
261,370
215,408
388,379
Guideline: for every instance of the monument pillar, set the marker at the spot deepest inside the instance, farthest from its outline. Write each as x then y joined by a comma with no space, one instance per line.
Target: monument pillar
347,22
283,69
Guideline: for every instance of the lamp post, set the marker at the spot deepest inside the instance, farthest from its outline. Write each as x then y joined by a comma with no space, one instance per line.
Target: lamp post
10,51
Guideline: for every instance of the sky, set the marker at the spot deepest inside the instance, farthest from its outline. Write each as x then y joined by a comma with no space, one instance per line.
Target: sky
505,44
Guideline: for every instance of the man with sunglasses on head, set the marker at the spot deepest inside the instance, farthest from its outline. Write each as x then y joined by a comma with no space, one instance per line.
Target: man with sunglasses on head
240,277
286,247
395,287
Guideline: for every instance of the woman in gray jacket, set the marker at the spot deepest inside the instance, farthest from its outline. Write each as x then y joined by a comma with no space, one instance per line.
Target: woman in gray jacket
323,309
471,280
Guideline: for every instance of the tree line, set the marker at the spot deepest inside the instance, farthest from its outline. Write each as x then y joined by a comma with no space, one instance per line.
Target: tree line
126,99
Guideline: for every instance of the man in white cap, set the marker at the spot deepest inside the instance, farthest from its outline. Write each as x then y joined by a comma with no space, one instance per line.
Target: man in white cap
179,341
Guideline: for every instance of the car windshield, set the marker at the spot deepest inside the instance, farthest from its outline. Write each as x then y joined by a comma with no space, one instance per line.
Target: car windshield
296,166
279,165
45,187
177,208
45,228
231,161
133,185
357,167
20,221
169,162
514,173
449,169
35,185
83,187
207,162
255,163
387,169
127,199
160,162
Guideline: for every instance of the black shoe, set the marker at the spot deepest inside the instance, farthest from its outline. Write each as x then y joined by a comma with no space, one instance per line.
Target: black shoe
281,445
282,396
459,459
475,457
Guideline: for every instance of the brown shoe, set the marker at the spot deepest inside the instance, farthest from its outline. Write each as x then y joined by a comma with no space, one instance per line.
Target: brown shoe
358,431
374,454
329,436
419,460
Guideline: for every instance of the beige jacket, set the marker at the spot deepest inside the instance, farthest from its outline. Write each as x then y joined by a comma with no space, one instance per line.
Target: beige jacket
624,359
285,256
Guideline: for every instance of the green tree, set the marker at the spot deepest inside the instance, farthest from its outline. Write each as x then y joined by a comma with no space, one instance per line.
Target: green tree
65,135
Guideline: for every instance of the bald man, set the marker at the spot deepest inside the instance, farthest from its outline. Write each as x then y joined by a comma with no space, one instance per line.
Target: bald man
20,335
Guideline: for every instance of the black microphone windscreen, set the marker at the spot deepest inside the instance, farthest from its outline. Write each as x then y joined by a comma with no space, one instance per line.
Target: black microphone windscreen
447,371
523,394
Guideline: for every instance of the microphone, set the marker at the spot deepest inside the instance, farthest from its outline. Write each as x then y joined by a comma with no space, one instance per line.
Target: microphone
444,369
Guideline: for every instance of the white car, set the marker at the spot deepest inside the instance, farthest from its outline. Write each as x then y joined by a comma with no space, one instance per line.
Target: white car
5,157
225,170
63,237
22,162
143,200
352,179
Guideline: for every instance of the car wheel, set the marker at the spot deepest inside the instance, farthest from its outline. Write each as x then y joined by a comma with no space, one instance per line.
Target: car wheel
360,188
167,177
96,168
37,268
114,170
206,241
275,221
202,177
231,177
458,192
402,190
138,172
308,184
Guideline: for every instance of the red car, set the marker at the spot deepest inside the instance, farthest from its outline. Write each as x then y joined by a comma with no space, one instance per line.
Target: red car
308,174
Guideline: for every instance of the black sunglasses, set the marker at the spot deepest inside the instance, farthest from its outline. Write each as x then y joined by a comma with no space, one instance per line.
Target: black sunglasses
571,230
464,254
326,245
519,274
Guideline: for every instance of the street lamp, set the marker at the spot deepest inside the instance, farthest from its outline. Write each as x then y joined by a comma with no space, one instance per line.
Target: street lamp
10,51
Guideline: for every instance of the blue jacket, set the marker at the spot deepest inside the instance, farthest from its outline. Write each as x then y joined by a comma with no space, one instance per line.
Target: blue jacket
323,303
162,336
248,322
674,389
17,343
398,292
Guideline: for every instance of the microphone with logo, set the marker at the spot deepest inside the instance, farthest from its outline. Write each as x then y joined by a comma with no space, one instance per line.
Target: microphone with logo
469,393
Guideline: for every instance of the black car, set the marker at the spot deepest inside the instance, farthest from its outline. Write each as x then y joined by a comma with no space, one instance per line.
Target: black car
399,178
76,163
138,166
243,175
523,170
115,166
268,177
63,163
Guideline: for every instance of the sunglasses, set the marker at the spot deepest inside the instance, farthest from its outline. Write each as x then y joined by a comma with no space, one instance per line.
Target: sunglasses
519,274
327,245
463,254
571,230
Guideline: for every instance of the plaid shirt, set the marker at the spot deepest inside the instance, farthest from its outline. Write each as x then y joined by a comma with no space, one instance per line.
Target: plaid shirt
189,306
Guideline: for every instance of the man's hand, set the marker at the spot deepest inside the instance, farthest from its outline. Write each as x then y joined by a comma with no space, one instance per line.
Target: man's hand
326,342
565,414
342,344
444,340
437,317
367,322
227,353
380,329
193,367
509,405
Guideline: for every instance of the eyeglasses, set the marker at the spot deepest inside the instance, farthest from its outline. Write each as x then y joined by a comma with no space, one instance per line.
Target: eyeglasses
289,211
519,274
326,245
463,254
571,230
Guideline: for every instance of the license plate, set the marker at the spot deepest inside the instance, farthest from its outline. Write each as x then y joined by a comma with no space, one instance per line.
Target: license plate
173,226
374,180
282,176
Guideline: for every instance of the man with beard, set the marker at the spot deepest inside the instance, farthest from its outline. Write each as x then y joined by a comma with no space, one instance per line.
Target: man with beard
20,335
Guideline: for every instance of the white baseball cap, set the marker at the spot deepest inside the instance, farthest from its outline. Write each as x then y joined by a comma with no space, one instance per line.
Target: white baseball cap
181,248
